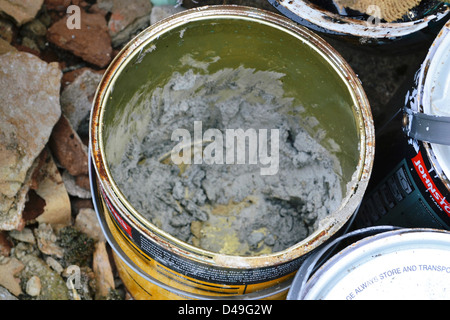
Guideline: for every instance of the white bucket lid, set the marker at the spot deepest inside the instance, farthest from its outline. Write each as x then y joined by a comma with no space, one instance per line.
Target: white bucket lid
403,264
436,90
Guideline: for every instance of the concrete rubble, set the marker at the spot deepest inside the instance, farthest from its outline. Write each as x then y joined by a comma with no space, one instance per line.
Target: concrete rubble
91,41
48,78
22,11
29,88
127,17
51,244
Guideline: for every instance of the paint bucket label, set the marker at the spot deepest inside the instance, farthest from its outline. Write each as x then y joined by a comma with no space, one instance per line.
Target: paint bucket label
416,192
411,195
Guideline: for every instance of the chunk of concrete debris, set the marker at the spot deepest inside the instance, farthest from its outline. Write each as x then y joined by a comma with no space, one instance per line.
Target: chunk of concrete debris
29,88
47,241
26,235
54,264
9,270
87,222
76,98
22,11
73,188
57,210
127,17
103,271
68,148
33,286
91,41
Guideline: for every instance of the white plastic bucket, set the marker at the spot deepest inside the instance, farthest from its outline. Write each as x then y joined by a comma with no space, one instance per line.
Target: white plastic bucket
400,264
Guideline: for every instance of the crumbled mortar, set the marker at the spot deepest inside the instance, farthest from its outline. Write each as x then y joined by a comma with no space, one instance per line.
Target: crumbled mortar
229,208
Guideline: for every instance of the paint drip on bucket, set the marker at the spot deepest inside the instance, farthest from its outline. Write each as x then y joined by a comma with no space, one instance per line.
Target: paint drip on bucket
416,192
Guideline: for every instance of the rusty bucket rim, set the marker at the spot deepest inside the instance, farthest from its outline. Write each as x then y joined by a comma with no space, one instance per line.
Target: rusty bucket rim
361,109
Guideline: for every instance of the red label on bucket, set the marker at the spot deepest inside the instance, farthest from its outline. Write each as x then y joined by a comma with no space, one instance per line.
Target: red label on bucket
122,223
424,175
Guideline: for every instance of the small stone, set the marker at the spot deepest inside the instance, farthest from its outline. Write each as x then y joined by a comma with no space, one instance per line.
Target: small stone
103,272
76,98
68,148
73,188
5,244
127,17
87,222
71,76
196,229
30,90
53,287
55,265
46,240
57,210
91,41
33,287
21,249
22,11
26,235
8,271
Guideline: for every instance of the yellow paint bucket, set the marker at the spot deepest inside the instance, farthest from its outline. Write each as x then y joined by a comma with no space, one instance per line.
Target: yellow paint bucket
156,265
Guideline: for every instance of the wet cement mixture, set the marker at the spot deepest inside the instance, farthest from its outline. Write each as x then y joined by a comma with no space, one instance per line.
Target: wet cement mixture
229,208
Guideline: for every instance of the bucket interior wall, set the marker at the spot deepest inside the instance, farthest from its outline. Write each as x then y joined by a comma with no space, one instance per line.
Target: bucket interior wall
321,100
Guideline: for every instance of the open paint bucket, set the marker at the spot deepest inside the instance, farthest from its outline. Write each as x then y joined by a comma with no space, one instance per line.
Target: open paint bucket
216,227
412,188
387,264
366,25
